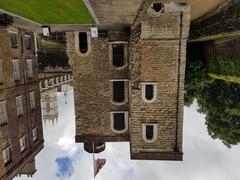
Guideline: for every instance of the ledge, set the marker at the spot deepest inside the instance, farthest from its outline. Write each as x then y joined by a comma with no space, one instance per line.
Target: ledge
169,156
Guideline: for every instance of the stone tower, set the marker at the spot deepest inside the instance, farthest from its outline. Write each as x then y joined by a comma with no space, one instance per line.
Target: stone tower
128,82
157,68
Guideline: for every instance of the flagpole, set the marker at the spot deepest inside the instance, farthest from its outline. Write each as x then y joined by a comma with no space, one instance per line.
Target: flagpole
94,166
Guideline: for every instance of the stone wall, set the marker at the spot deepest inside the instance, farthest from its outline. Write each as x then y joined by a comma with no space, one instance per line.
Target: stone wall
223,21
158,48
92,88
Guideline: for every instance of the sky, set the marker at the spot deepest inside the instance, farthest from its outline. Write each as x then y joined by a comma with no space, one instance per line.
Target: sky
63,159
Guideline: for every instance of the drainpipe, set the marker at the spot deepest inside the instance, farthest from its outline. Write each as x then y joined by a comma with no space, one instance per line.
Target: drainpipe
176,148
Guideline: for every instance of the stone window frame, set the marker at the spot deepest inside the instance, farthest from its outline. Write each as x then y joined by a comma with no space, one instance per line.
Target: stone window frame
77,44
155,88
155,132
23,143
13,46
35,134
125,43
1,72
28,41
30,68
3,113
126,83
19,106
6,152
126,119
32,99
16,69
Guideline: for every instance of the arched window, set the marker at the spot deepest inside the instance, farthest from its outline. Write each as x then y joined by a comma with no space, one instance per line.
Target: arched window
118,91
119,121
149,132
149,92
83,42
118,55
158,7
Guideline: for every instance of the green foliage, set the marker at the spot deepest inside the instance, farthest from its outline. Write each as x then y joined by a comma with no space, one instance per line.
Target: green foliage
232,79
222,65
195,80
49,11
220,102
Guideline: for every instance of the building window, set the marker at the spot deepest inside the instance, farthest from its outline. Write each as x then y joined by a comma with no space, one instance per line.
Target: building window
118,55
6,155
32,100
16,69
29,68
19,105
118,91
23,143
158,7
13,39
3,113
149,132
149,92
34,134
28,41
119,121
1,72
83,42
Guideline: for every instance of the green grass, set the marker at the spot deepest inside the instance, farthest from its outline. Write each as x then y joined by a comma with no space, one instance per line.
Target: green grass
232,79
49,11
50,44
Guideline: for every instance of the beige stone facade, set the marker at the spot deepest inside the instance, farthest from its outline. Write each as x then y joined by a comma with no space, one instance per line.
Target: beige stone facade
156,50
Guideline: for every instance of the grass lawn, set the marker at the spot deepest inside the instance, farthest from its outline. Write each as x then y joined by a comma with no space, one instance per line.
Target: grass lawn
232,79
49,11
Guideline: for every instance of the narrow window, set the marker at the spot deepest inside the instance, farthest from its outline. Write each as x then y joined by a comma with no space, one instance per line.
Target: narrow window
16,69
118,91
19,105
119,121
158,7
32,100
34,134
13,40
149,132
118,55
6,156
1,72
3,113
46,83
149,91
29,68
23,144
48,108
28,41
57,80
83,42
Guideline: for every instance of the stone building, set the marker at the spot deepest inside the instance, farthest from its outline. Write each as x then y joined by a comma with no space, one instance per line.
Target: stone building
49,105
129,82
21,136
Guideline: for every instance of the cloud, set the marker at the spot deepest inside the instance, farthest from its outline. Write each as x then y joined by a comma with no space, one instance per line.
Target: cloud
65,167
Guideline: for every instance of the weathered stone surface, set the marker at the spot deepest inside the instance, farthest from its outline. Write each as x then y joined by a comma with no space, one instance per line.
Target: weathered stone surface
157,53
